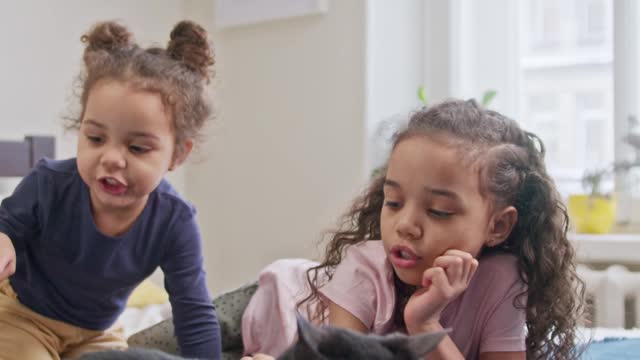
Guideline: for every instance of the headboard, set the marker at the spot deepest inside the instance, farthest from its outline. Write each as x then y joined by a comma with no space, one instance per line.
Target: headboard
18,157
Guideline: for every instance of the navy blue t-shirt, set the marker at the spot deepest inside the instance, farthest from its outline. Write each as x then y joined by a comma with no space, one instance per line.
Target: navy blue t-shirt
69,271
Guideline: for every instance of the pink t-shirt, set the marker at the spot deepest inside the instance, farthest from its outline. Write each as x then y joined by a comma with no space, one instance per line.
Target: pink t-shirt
482,319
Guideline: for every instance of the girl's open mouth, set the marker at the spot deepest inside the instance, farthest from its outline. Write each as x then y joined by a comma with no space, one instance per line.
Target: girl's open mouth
403,256
112,186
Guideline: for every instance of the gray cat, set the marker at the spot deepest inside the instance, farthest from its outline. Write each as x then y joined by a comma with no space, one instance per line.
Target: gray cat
332,343
320,343
130,354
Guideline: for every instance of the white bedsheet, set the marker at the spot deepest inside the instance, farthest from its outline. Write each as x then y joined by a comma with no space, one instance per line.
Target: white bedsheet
134,319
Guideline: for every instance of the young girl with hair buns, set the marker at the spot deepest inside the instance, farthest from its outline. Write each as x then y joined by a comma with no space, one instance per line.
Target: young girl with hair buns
78,235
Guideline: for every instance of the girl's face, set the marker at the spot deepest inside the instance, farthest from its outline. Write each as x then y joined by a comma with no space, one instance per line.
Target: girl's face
432,203
126,144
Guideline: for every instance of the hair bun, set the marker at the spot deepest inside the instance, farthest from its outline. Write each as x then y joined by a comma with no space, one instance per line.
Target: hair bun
108,36
189,44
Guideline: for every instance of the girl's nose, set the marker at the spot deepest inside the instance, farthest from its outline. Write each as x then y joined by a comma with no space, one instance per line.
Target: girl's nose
113,159
408,226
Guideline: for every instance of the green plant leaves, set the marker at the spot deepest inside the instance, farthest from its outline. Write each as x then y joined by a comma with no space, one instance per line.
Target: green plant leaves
422,95
487,97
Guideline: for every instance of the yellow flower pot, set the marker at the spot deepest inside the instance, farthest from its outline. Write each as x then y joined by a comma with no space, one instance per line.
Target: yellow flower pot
592,214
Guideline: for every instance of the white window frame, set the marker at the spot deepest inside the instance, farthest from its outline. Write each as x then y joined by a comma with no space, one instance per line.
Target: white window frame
626,14
465,78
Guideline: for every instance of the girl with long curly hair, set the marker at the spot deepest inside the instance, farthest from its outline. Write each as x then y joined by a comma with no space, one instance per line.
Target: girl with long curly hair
463,229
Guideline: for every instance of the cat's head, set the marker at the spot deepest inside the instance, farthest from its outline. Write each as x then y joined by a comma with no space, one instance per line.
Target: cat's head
332,343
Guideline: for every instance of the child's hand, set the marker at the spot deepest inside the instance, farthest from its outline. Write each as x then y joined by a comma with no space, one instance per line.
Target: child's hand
7,257
258,357
448,278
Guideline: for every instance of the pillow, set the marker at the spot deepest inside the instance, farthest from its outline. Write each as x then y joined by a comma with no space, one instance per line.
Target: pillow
229,309
147,293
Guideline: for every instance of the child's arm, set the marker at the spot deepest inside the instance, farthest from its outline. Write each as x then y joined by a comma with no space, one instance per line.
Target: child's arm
18,221
194,316
447,279
503,334
340,317
7,257
447,349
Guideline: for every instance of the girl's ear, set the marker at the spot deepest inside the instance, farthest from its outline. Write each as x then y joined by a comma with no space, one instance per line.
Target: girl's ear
501,225
181,153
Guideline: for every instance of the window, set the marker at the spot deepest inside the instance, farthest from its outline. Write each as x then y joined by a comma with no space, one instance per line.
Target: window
594,22
567,70
556,66
566,83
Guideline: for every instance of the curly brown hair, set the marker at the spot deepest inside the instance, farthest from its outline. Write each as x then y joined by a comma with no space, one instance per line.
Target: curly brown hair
512,173
178,73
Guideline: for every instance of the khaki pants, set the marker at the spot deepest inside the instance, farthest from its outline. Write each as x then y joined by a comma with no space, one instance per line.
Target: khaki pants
27,335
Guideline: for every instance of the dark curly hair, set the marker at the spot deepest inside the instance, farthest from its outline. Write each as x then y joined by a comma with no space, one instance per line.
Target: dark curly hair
178,73
512,173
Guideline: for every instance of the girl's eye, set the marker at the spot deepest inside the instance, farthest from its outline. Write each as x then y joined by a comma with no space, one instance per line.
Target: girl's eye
138,149
440,214
94,139
392,204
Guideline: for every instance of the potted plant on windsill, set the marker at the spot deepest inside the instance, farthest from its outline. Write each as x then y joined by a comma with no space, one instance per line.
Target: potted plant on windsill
595,211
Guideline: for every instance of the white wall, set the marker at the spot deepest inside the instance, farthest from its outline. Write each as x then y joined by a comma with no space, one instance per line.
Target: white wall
286,155
42,52
395,70
296,99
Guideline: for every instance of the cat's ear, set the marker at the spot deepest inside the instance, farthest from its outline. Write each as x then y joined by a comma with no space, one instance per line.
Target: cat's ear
423,343
307,333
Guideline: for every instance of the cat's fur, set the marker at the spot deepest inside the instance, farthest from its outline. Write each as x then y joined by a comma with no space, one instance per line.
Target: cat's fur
130,354
320,343
331,343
